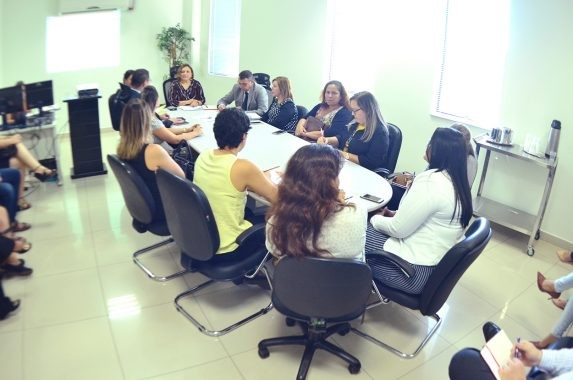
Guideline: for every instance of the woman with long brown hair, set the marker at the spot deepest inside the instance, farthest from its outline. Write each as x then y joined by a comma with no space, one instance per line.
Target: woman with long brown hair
310,216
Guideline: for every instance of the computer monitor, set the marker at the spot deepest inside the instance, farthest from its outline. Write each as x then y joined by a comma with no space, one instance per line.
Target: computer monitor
39,94
11,100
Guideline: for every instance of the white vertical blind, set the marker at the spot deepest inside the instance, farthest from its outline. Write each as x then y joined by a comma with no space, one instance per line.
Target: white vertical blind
224,37
79,42
472,67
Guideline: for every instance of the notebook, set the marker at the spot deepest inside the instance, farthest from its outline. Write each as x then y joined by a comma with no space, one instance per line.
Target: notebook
497,352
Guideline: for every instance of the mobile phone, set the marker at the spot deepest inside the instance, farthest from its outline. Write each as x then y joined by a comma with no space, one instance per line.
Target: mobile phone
280,131
372,198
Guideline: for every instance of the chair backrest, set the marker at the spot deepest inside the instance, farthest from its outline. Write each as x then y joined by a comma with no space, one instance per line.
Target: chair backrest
167,84
115,110
302,111
330,289
263,79
453,265
136,194
395,137
189,216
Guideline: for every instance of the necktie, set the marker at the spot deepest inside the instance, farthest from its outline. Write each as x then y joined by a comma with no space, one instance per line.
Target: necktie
245,101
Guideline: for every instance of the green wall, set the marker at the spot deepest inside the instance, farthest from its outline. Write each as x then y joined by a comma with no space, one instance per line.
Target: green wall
286,38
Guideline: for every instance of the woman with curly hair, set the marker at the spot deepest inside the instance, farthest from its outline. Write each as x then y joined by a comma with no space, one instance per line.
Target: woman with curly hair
310,216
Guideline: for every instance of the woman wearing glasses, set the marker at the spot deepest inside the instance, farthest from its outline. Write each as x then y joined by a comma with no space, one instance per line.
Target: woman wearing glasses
368,139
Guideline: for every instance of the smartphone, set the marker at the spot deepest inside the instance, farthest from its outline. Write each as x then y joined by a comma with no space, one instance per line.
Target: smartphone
372,198
280,131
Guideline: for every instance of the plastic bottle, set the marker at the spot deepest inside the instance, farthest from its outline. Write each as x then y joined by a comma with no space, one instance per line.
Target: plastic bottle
553,141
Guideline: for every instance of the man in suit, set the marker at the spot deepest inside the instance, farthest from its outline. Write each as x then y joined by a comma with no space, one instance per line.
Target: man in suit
247,94
139,79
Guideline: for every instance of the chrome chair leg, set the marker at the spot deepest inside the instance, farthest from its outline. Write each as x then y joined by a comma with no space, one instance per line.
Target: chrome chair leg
147,271
228,329
395,351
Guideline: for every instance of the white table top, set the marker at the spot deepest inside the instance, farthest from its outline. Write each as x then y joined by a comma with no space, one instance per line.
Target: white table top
269,151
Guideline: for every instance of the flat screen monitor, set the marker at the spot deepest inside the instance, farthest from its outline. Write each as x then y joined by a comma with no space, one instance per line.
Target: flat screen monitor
39,94
11,100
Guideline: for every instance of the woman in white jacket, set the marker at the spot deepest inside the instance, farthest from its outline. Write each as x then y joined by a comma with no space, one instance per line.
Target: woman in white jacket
431,218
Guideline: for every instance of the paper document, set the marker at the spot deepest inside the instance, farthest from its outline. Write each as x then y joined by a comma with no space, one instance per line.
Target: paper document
253,116
497,352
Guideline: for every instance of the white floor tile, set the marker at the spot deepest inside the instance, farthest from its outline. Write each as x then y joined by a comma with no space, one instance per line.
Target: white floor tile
11,355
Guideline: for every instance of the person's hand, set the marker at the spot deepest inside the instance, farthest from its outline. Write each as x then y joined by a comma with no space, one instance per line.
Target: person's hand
194,103
322,140
16,139
514,370
220,107
165,116
177,120
528,353
197,130
341,196
300,130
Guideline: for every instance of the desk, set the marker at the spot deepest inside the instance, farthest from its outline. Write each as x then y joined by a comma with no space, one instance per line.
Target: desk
269,151
512,218
42,142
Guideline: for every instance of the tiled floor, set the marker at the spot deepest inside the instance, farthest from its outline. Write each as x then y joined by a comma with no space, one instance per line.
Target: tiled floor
89,313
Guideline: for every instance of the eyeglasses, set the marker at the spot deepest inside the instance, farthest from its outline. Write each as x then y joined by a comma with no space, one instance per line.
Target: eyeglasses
356,110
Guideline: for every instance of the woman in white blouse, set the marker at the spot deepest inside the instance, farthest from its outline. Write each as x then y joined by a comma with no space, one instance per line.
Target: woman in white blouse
431,218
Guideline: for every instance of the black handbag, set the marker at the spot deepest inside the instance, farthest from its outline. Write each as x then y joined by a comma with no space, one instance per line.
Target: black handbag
185,157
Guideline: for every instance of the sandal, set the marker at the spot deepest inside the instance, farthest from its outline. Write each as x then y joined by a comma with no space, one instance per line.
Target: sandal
26,246
43,173
23,204
19,227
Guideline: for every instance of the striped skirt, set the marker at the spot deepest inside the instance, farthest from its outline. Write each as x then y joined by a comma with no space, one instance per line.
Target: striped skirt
388,273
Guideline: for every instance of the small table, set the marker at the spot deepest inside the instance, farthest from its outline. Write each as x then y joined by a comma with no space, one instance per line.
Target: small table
517,220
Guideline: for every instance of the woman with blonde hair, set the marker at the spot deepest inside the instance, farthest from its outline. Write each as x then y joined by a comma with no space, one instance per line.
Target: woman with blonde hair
145,158
186,91
282,113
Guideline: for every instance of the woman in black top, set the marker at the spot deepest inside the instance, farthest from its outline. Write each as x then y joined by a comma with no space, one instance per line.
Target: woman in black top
282,113
368,139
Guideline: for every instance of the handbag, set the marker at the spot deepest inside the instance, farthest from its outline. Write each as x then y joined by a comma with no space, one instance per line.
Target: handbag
400,183
185,157
313,124
8,152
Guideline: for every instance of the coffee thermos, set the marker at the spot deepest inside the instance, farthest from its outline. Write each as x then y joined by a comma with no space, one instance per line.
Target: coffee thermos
553,141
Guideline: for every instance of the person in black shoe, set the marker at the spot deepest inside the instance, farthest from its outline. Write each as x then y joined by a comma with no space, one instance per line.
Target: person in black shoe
10,264
7,306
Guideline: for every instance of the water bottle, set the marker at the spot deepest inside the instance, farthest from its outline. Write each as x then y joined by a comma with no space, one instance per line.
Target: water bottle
553,141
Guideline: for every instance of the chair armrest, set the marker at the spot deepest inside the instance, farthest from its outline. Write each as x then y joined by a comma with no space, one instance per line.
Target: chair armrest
402,264
382,172
256,232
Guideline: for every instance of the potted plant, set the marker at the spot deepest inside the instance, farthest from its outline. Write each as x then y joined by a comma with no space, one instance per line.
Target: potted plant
175,43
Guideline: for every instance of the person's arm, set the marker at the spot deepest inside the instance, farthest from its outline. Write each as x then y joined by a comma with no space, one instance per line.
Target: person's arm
156,157
339,126
557,361
199,94
265,116
227,99
172,138
376,150
416,207
262,99
10,140
245,174
300,126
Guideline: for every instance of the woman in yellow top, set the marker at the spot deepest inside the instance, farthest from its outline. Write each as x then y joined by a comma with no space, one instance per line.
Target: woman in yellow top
225,179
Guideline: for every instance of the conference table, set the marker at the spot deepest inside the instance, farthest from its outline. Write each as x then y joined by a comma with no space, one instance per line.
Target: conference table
270,151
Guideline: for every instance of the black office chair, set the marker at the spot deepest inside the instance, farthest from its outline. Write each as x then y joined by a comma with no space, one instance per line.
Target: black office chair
302,111
263,79
141,207
440,284
114,111
194,229
319,292
395,143
167,85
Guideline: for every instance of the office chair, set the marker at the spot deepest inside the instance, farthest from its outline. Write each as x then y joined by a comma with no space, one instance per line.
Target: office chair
440,284
141,206
194,230
302,111
113,106
263,79
323,295
167,84
395,143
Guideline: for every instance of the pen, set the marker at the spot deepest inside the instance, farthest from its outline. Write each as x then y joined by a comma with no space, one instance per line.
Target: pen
276,167
516,349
